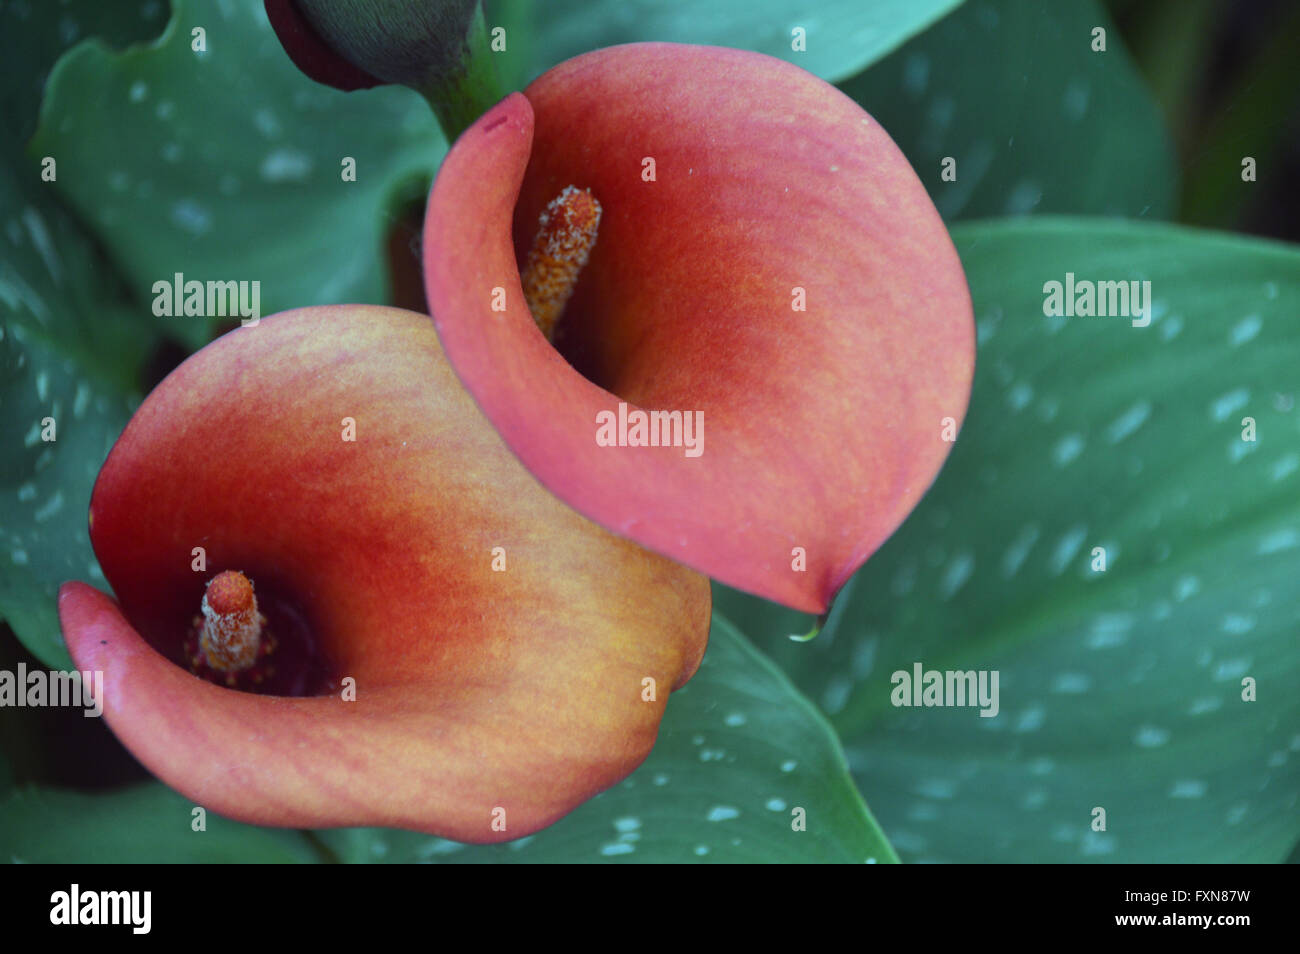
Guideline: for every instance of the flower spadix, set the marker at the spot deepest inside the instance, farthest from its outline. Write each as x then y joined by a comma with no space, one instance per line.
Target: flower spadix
765,267
444,645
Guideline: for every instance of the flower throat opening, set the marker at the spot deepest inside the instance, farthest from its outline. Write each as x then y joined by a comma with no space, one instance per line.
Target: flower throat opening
239,642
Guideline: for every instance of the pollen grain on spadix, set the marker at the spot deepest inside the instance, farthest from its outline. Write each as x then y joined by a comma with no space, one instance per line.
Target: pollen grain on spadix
565,238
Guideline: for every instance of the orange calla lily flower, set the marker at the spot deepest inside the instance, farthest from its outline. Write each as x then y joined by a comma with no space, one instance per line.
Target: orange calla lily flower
451,649
741,337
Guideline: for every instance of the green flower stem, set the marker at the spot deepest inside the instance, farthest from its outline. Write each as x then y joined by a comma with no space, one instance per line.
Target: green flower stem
459,101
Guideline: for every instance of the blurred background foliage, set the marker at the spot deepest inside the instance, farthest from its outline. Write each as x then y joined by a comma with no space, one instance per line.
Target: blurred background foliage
1042,127
1224,75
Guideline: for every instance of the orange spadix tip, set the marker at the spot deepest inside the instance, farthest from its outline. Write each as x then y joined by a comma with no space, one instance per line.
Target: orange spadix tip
565,238
230,592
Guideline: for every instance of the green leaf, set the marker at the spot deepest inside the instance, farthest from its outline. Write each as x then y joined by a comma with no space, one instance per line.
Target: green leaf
33,35
227,164
739,749
143,824
70,348
840,36
1119,689
1035,120
45,485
